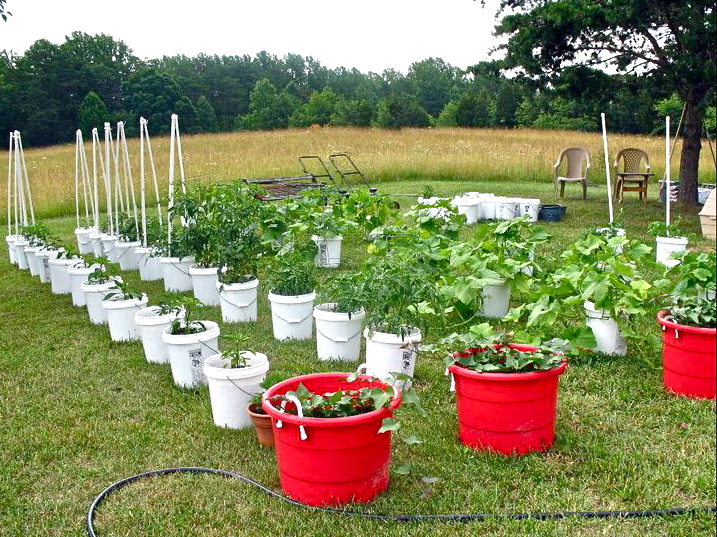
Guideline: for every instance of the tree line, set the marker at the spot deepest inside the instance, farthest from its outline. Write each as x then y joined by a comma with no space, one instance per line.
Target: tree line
52,90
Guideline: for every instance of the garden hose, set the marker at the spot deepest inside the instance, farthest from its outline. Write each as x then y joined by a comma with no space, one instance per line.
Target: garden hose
457,517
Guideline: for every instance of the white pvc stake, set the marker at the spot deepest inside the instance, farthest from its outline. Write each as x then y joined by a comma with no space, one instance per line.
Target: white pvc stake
607,166
157,199
142,123
129,184
78,136
170,203
10,197
668,188
27,201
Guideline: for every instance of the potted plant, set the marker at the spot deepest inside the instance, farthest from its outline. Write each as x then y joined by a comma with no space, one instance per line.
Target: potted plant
175,259
98,283
128,240
332,434
151,322
148,260
78,273
506,393
485,267
339,319
65,257
120,304
189,342
38,238
233,377
689,327
237,282
669,238
393,287
291,279
599,276
260,420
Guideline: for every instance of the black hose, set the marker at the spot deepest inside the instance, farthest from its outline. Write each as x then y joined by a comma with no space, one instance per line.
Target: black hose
460,517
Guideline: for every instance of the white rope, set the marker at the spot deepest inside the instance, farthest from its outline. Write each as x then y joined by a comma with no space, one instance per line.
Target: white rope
26,181
157,199
10,197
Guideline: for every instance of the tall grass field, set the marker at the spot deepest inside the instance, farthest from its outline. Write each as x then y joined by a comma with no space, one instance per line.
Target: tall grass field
79,412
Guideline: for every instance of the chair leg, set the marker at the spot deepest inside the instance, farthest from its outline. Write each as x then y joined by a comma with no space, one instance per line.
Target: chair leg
585,190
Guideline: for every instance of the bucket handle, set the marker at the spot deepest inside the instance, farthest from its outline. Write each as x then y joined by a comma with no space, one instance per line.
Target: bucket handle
453,380
293,321
340,340
235,304
297,403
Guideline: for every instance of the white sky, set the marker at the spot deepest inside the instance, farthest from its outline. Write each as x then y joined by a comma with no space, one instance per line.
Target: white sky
370,35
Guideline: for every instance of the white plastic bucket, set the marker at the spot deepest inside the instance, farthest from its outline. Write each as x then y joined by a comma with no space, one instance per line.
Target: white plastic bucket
230,389
125,254
292,316
83,239
204,284
238,301
78,274
96,241
175,272
496,300
486,208
19,247
59,278
187,353
108,247
120,317
150,269
150,325
43,259
505,208
338,335
468,206
329,251
664,246
33,263
528,206
10,241
606,331
94,295
388,353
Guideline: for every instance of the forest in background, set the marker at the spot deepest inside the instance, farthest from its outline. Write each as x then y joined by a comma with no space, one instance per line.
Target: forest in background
51,90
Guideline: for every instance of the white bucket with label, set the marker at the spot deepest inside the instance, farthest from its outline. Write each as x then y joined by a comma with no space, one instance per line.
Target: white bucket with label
43,259
231,389
187,353
528,206
292,316
389,354
505,208
238,301
329,251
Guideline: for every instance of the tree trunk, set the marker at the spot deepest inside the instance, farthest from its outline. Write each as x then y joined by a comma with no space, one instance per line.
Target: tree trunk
691,147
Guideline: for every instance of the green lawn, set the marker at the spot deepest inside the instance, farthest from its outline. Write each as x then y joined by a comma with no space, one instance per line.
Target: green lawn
80,412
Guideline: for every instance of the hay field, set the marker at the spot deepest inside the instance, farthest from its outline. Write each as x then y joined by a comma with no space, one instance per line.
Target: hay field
428,155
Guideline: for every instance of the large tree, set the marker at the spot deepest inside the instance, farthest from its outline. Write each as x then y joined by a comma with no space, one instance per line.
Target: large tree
672,40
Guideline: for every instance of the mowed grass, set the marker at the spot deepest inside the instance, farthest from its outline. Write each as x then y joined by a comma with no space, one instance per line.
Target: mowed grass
430,155
80,412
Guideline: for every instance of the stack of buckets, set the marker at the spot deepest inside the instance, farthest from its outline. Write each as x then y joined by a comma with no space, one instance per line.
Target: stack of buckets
480,206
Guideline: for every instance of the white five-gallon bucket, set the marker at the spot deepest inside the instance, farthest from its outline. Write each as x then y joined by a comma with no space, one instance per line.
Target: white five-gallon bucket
78,274
664,246
120,317
496,300
528,206
108,247
150,269
150,325
125,254
238,301
292,316
329,251
187,353
338,335
175,272
230,389
94,295
606,331
83,239
204,284
59,278
387,354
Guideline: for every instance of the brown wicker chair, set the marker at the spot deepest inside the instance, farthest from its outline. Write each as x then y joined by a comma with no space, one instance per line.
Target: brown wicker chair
634,176
578,164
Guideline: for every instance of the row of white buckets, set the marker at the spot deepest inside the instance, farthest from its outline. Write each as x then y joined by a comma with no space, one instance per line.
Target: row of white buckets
477,206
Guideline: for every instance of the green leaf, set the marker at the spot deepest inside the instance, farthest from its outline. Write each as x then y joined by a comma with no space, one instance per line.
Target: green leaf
389,424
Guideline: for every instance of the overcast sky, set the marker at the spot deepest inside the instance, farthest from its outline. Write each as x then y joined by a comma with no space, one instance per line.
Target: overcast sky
370,35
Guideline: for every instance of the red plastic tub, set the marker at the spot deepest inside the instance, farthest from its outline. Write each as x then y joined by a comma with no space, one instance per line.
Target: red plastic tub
511,413
342,459
689,358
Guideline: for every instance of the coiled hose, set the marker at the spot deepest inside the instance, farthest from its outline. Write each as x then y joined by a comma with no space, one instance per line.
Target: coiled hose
460,517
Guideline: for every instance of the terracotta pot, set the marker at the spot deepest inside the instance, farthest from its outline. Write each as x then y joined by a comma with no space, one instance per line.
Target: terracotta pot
262,424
